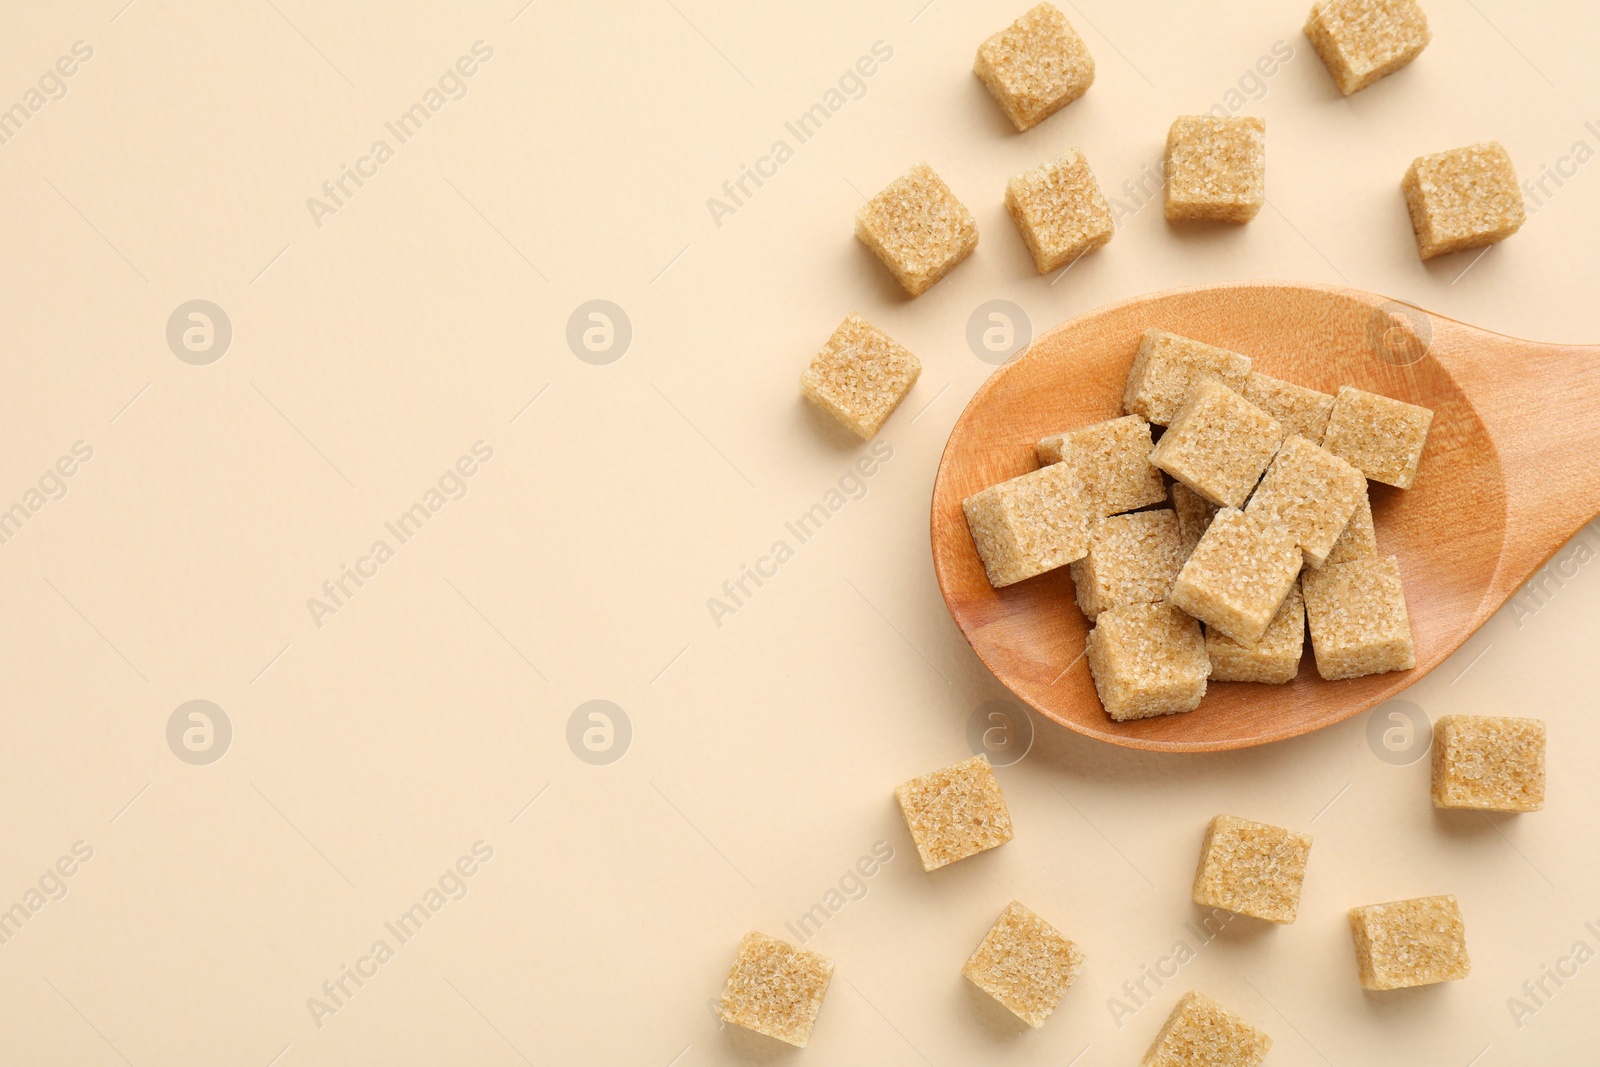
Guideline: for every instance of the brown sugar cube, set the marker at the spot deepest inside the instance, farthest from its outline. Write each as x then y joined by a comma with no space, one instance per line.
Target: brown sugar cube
1252,868
1113,463
1462,199
1059,210
1310,492
1381,437
1195,513
1358,620
1301,410
1488,763
1361,41
1025,964
1147,659
1275,659
955,812
918,228
1202,1033
775,988
1238,576
860,376
1029,525
1132,560
1219,444
1168,367
1216,168
1360,537
1410,942
1035,67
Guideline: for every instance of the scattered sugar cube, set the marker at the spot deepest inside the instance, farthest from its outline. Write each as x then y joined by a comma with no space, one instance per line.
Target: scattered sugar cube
1035,67
1059,210
1132,559
1358,619
1025,964
1113,463
955,812
1238,576
1147,659
860,376
1301,410
1488,762
1410,942
1218,444
1168,367
1202,1033
1275,659
1312,493
1252,868
1462,199
1195,513
1030,524
1361,41
775,988
918,228
1378,435
1360,537
1216,168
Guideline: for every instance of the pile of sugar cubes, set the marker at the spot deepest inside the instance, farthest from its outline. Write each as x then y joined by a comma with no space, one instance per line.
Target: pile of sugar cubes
1214,171
1254,869
1266,526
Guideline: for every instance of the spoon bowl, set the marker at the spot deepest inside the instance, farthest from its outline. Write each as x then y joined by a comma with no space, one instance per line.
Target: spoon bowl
1509,475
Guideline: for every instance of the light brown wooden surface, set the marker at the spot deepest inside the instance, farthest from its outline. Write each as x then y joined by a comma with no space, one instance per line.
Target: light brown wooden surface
1508,475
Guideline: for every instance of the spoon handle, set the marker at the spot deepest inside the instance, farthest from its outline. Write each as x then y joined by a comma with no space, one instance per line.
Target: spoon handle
1541,406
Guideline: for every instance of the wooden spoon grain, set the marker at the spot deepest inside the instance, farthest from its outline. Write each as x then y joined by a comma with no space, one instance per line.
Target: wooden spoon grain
1510,473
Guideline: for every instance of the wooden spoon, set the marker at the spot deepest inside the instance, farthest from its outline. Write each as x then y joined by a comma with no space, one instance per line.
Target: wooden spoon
1510,473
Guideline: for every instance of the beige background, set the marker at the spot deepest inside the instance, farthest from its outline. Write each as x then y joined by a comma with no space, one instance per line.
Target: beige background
372,351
